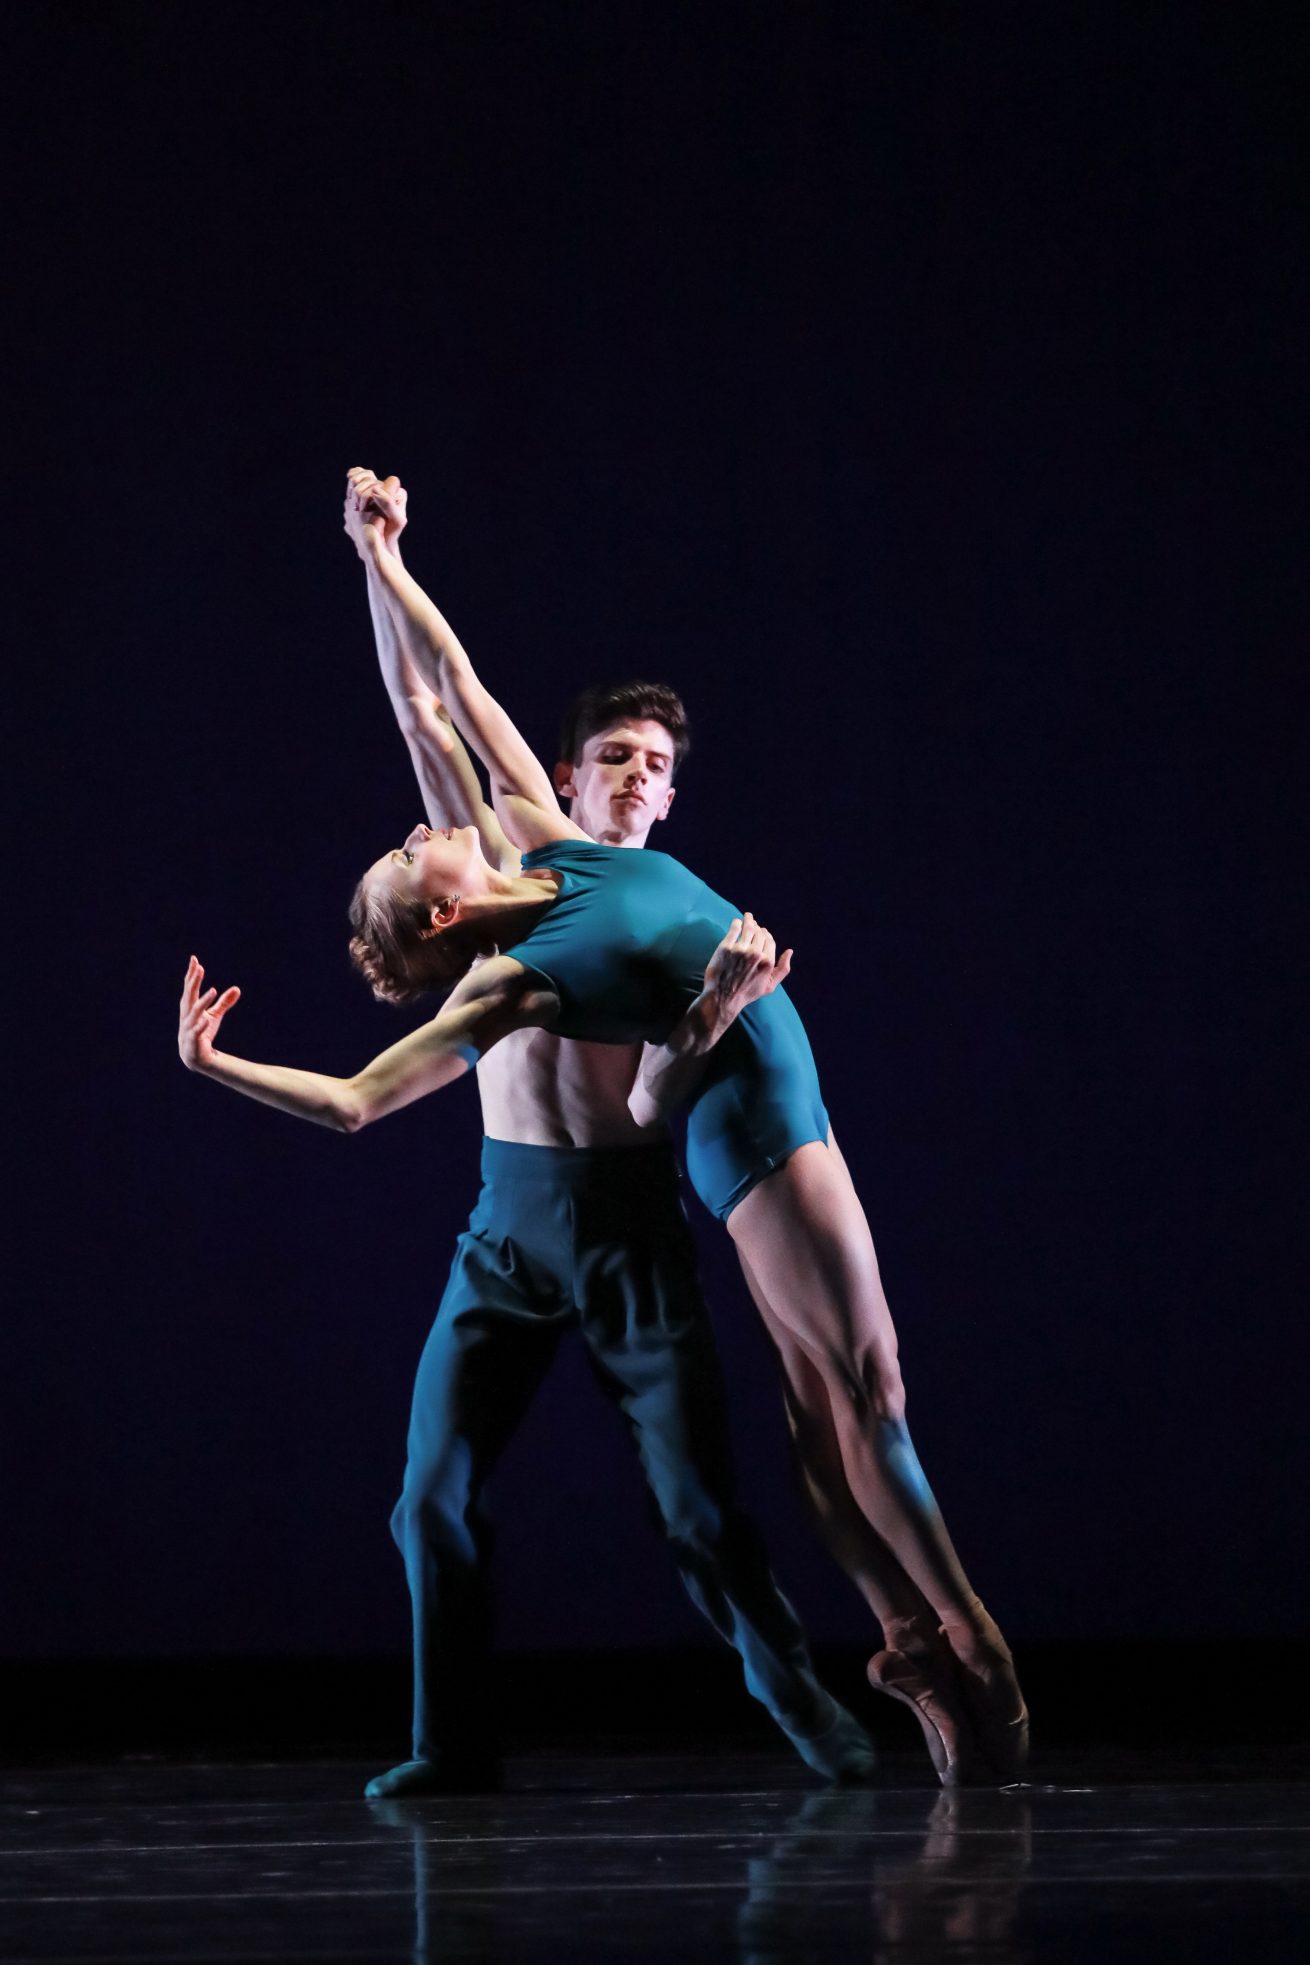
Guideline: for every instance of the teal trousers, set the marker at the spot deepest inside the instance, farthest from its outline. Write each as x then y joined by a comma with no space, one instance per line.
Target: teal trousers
596,1238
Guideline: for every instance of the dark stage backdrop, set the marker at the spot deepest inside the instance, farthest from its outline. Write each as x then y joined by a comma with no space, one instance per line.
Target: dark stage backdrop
912,386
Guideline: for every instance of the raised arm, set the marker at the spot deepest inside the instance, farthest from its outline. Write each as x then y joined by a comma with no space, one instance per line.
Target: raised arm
447,777
520,785
744,967
490,1002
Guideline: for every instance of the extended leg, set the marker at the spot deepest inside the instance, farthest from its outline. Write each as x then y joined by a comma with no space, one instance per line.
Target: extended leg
803,1236
916,1667
900,1606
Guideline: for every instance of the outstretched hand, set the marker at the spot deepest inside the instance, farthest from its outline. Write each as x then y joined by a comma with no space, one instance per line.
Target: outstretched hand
744,967
374,505
199,1017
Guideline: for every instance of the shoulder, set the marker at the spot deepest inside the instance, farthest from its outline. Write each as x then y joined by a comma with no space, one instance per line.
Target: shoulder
529,825
503,986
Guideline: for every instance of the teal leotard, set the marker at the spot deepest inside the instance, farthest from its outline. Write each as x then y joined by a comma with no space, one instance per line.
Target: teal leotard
625,948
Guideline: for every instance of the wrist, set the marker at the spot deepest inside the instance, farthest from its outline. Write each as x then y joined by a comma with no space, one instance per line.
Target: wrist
705,1023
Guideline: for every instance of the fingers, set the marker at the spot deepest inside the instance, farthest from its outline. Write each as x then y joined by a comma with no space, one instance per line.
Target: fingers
196,1005
754,938
361,483
750,939
211,1000
215,1004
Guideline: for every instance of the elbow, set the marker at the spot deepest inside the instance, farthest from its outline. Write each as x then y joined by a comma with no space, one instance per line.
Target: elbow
454,667
645,1113
351,1114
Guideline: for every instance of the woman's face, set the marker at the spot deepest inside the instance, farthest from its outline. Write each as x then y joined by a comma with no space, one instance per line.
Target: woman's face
433,866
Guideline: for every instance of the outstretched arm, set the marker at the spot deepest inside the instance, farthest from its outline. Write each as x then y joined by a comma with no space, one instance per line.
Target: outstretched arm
447,777
486,1006
520,785
744,967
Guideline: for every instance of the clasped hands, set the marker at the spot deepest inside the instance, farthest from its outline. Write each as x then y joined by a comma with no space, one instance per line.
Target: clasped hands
375,514
374,505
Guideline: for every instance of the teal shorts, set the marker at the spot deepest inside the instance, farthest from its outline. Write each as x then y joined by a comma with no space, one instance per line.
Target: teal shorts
759,1101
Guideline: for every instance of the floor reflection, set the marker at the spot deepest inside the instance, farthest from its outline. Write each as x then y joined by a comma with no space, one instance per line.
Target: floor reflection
919,1878
963,1886
941,1882
446,1927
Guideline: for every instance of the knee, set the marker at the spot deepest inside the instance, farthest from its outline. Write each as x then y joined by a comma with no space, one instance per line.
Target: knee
436,1503
693,1522
870,1383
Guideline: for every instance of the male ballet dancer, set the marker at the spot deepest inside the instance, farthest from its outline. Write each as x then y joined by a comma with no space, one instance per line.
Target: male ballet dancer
579,1220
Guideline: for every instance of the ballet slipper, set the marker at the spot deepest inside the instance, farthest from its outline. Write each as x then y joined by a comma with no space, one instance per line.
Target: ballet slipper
445,1775
837,1747
929,1690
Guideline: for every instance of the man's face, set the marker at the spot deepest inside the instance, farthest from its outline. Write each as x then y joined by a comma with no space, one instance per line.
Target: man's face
623,782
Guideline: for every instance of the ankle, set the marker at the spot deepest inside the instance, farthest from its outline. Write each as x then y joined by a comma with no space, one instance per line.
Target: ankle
974,1635
913,1635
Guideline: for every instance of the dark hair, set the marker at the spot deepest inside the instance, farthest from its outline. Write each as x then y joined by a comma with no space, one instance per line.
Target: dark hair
397,950
622,702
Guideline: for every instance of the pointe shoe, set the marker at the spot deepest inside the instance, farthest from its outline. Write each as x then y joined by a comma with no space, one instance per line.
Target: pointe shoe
999,1714
931,1693
991,1689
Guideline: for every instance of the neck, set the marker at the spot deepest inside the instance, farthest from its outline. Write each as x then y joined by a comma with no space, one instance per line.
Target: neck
521,889
608,836
512,903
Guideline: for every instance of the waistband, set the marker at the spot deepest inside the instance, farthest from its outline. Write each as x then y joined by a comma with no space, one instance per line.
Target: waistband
580,1166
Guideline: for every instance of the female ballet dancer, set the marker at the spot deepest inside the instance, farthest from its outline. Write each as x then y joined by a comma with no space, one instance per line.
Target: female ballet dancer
613,946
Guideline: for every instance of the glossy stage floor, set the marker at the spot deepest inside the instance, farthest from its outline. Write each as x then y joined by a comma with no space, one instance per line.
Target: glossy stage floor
726,1856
